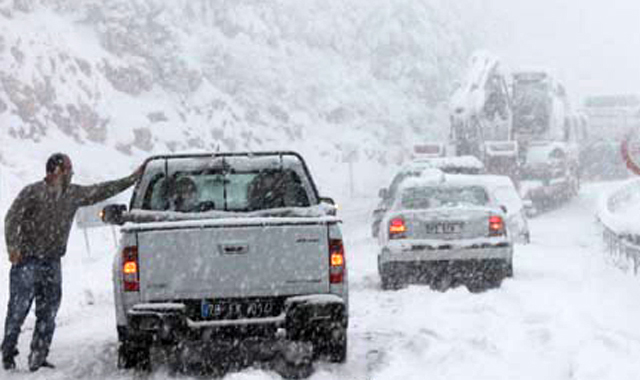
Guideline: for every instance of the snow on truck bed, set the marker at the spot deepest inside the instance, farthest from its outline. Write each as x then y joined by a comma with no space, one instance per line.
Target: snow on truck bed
321,213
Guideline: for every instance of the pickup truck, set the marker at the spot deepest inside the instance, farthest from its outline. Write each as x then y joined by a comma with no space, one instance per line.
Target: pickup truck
226,246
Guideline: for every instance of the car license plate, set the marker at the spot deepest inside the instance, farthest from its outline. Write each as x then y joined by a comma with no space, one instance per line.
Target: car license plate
236,310
441,228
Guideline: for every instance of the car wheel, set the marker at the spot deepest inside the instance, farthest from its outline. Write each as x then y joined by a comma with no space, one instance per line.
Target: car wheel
508,270
388,281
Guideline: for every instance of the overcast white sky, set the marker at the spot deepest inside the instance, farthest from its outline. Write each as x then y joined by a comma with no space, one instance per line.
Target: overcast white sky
593,45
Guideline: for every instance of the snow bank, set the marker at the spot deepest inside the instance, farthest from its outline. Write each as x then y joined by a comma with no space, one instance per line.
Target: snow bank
619,209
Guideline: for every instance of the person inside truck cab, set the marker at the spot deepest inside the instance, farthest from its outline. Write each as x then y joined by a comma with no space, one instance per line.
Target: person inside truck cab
185,195
276,189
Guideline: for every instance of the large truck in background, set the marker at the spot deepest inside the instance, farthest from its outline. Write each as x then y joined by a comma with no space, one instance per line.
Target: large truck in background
481,116
548,134
520,125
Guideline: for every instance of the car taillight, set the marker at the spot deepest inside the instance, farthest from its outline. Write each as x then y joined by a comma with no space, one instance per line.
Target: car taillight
496,226
336,261
130,270
397,228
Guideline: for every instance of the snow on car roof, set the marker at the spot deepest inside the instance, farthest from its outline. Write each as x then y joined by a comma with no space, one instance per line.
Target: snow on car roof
443,180
415,166
448,162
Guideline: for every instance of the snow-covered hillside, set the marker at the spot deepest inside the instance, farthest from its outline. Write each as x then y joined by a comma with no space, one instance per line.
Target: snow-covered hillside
129,78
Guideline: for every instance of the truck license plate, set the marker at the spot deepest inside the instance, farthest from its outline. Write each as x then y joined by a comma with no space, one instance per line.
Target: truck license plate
236,310
444,228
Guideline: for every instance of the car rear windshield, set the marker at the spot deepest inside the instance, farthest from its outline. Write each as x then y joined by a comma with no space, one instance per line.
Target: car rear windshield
200,191
444,196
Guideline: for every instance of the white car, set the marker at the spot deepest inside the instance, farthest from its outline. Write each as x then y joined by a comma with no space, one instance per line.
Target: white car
422,167
444,231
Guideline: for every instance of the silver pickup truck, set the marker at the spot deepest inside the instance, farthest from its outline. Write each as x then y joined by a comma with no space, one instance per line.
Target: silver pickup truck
222,247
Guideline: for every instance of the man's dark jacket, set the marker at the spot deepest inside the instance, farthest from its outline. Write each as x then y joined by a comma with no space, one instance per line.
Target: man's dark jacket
39,220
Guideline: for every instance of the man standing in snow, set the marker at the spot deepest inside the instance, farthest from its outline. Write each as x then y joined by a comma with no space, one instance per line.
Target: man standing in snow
37,229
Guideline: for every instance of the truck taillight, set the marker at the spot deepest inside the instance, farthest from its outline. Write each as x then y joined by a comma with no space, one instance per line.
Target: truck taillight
496,226
397,228
336,261
130,270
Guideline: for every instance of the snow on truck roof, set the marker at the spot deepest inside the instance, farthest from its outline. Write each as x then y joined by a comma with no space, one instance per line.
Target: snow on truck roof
248,162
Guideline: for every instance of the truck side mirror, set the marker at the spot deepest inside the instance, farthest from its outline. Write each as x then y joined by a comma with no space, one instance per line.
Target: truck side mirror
328,200
113,214
334,210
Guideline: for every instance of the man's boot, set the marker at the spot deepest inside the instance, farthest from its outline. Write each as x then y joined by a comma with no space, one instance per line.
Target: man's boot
38,360
8,360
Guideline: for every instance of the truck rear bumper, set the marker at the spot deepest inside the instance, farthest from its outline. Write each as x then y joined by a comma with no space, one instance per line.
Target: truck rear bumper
169,321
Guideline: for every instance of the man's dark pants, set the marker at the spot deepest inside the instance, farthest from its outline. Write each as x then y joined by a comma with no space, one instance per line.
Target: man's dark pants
39,279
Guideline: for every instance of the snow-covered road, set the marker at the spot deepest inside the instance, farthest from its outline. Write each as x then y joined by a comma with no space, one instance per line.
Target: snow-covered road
566,314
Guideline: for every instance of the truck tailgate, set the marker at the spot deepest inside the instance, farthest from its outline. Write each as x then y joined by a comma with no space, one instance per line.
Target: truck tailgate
233,261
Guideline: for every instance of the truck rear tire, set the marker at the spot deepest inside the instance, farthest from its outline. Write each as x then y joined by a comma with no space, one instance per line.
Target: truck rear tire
338,351
133,353
333,345
134,357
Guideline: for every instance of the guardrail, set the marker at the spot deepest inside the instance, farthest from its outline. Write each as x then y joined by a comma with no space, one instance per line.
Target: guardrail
621,236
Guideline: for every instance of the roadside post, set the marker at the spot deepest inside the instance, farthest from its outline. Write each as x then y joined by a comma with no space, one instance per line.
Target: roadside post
350,156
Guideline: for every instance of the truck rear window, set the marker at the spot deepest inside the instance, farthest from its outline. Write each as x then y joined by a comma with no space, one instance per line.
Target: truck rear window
225,191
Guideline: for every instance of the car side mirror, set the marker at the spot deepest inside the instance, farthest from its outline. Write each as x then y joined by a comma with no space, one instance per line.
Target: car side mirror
113,214
383,193
504,209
